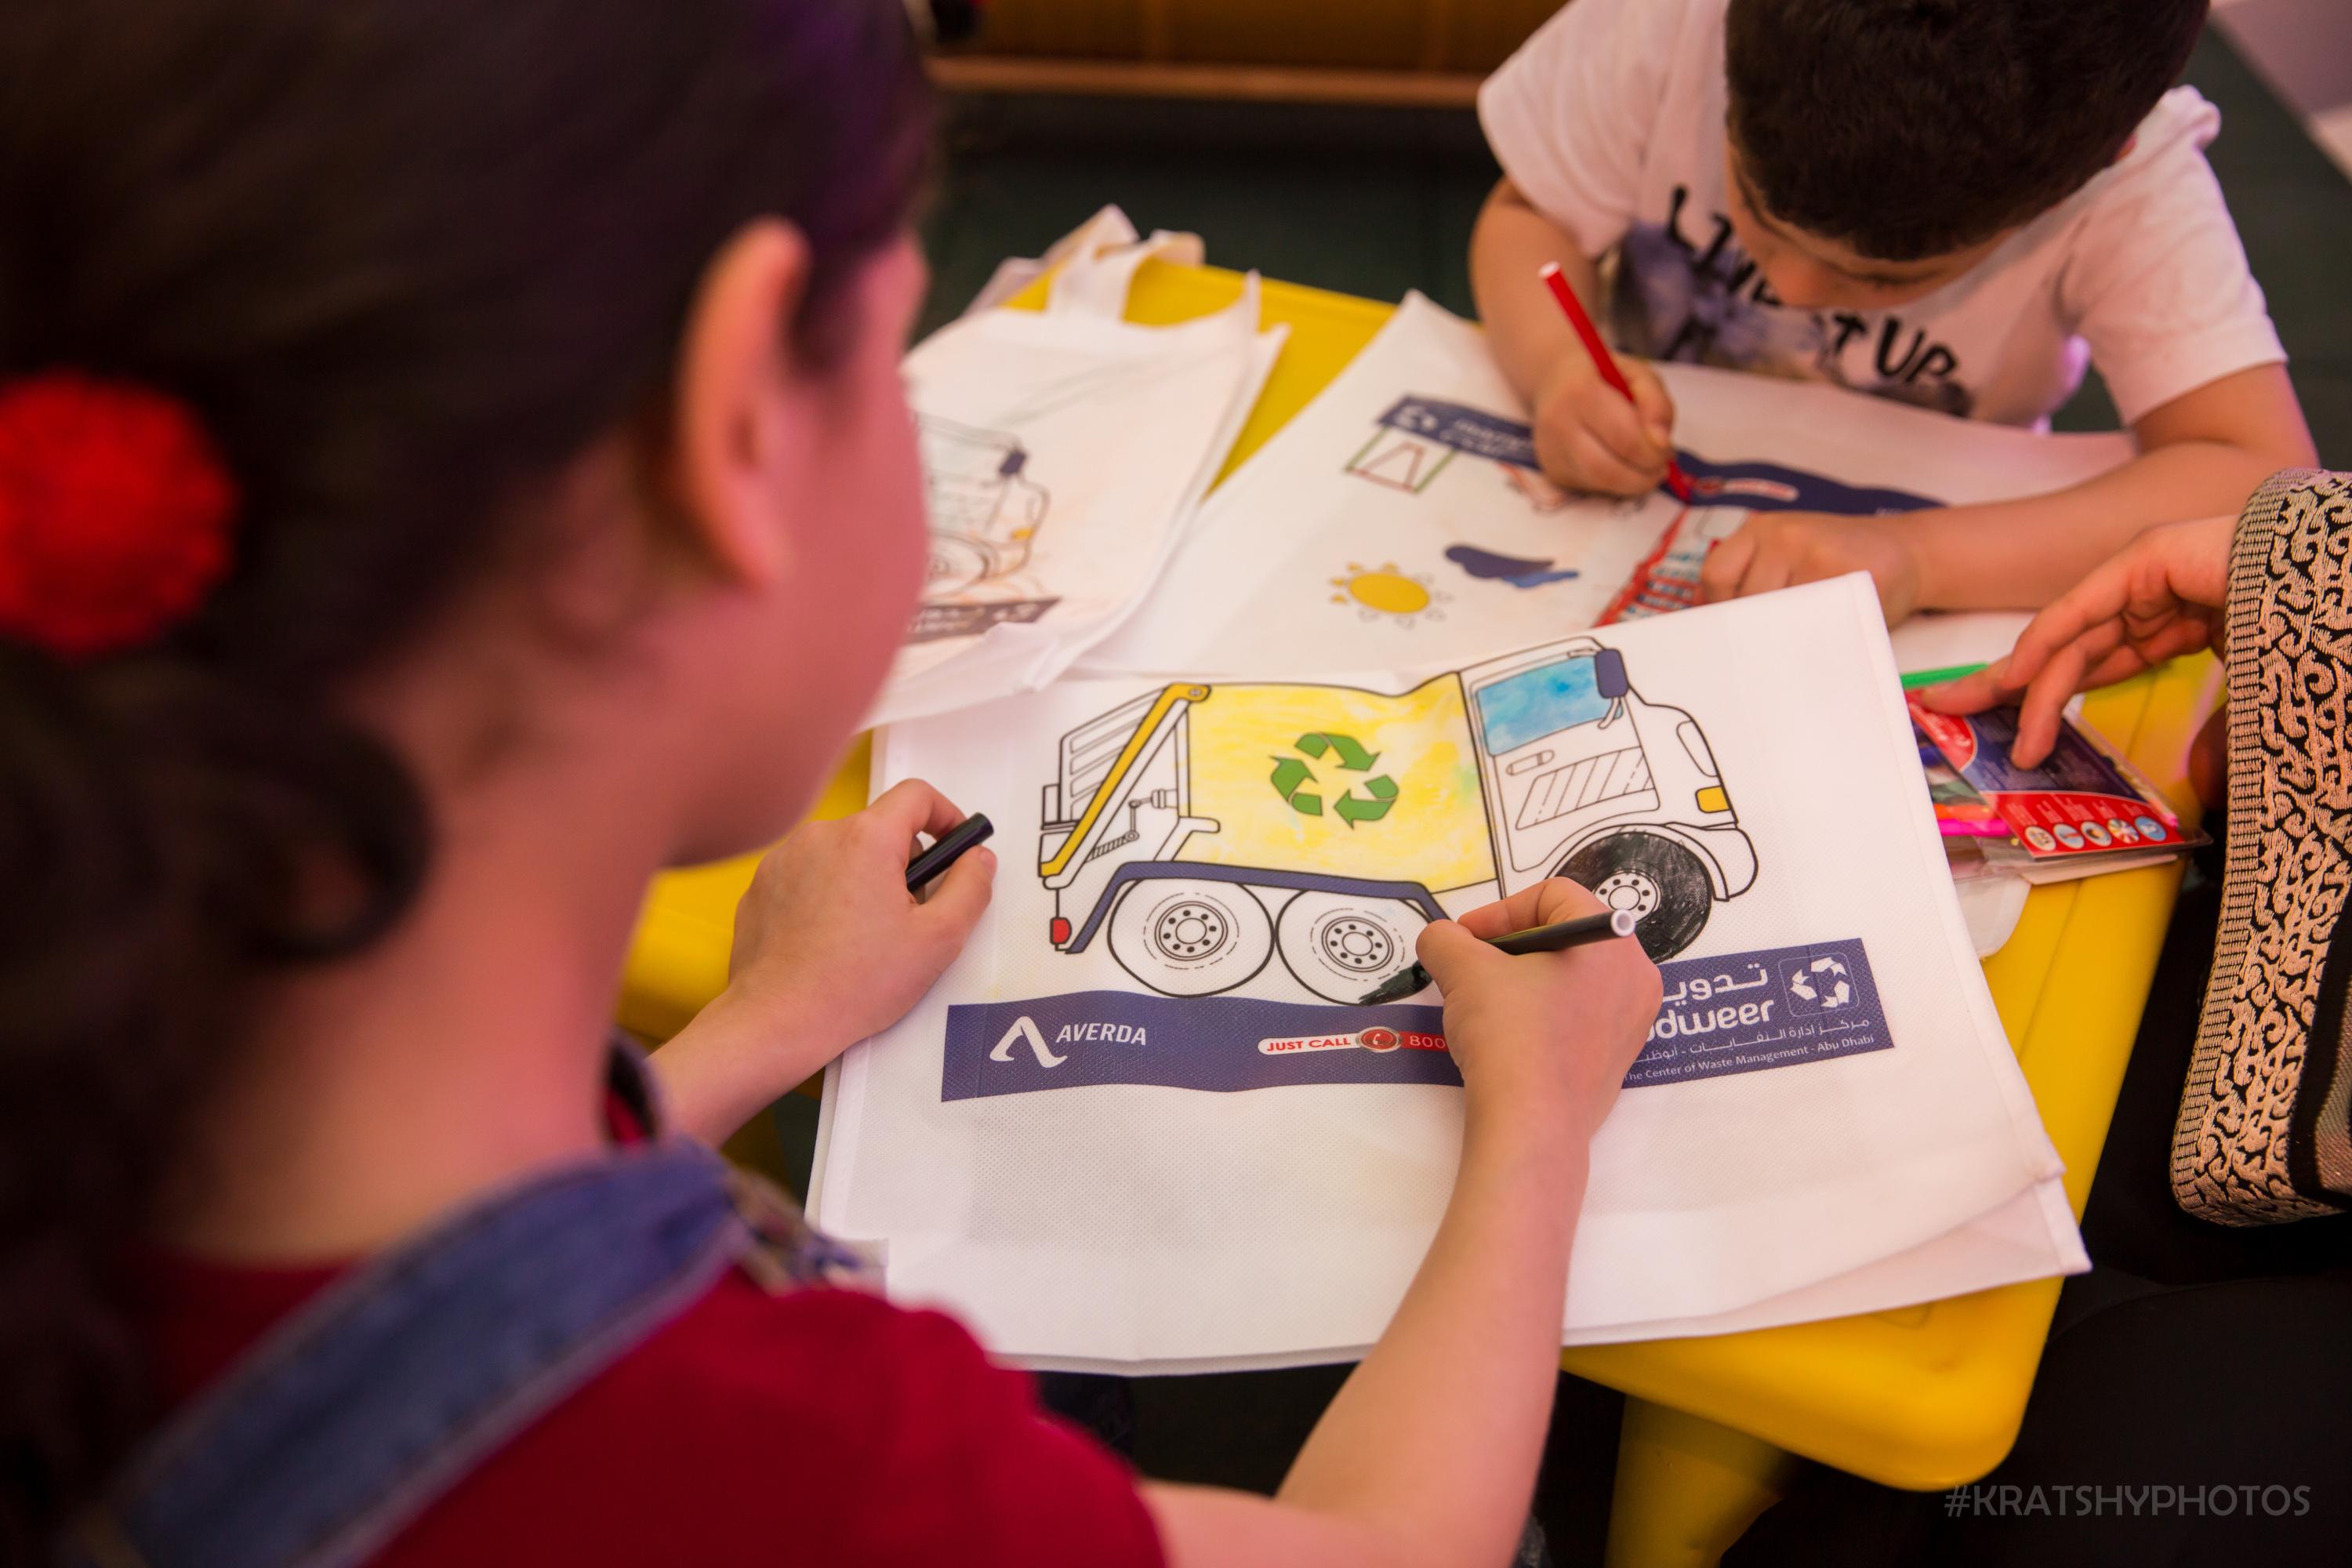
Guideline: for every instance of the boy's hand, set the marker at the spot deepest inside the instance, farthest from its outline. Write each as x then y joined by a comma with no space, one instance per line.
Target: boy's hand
1588,438
1550,1035
830,948
1781,549
2166,593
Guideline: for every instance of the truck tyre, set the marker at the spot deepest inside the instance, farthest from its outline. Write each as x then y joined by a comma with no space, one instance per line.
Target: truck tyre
958,561
1339,947
1663,883
1190,939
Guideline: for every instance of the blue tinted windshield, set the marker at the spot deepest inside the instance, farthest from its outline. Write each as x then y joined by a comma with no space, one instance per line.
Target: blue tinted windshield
1542,701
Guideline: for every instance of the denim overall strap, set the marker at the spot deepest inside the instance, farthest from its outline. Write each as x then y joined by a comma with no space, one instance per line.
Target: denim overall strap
374,1397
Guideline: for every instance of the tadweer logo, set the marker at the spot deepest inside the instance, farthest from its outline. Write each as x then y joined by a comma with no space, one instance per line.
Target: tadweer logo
1824,974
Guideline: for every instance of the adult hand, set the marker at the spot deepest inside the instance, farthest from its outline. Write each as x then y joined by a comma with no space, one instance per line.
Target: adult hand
1781,548
1588,438
2166,593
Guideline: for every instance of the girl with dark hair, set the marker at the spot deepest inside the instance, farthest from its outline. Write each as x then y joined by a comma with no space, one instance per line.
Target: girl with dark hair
452,464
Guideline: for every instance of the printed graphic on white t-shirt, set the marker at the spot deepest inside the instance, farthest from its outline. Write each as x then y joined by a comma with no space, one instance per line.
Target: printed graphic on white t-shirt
1686,290
1610,120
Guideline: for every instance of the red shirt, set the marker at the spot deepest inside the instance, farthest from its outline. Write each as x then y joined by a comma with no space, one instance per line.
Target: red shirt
823,1428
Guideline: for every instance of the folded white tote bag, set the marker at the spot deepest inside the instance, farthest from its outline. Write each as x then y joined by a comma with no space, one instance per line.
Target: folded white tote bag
1142,1123
1064,451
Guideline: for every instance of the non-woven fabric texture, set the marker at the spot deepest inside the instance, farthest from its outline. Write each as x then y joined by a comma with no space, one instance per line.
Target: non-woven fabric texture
1143,1124
1399,519
1065,452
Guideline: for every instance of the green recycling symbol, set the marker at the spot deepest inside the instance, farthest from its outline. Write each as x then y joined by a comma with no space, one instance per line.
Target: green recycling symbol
1291,777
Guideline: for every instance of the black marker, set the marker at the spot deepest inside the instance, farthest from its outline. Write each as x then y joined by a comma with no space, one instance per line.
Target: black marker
949,848
1540,939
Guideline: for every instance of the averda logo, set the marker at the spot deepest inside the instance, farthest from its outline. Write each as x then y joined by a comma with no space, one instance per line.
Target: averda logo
1025,1029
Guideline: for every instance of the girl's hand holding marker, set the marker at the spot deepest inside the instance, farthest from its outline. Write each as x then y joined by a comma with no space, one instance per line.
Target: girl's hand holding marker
1542,1036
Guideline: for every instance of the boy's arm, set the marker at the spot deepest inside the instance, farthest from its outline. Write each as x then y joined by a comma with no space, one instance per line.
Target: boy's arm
2204,452
1588,438
1509,245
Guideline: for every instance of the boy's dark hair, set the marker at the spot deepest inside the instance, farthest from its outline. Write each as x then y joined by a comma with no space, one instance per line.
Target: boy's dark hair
1908,128
406,258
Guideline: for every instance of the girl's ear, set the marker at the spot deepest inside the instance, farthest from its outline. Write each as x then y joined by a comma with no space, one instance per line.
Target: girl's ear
734,442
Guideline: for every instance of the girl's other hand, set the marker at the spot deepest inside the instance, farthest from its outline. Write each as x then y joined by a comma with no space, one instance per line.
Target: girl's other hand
2165,594
828,926
830,948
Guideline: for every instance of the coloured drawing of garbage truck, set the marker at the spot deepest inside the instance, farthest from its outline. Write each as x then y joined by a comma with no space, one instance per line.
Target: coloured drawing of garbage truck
1201,829
984,510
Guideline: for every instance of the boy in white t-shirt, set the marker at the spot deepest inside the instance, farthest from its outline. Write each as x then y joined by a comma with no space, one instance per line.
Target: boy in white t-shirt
1955,202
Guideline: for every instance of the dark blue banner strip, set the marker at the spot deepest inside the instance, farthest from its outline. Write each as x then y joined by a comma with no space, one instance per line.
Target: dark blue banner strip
1744,1011
1741,1013
1220,1043
1758,487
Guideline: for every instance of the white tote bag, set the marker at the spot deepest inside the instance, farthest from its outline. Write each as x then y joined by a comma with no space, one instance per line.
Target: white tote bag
1064,452
1141,1123
1400,518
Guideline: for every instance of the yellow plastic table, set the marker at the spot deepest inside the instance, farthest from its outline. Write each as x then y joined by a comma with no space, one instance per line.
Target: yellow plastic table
1924,1397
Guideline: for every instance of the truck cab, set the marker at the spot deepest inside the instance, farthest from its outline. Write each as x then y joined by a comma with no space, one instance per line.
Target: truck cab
1585,779
984,511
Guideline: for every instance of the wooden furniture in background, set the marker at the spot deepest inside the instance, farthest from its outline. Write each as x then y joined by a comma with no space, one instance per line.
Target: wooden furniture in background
1408,53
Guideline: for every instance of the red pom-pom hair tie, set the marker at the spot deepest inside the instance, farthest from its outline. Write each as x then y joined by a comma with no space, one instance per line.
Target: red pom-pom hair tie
116,512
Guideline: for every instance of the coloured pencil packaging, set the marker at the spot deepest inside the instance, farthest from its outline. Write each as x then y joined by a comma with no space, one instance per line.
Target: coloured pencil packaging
1961,809
2082,811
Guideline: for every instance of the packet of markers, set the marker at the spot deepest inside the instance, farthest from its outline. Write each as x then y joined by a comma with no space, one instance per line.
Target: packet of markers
2083,811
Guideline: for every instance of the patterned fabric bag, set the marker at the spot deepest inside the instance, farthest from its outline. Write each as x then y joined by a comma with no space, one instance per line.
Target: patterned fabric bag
2261,1136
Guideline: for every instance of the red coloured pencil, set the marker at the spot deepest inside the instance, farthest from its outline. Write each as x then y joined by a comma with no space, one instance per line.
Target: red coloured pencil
1603,362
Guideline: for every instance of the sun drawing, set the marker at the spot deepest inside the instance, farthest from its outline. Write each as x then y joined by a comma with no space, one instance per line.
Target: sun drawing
1384,590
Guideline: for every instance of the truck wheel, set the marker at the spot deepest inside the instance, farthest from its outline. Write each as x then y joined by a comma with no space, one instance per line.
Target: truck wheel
1340,947
1190,939
1663,883
958,561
